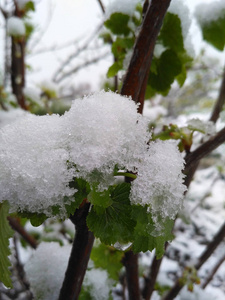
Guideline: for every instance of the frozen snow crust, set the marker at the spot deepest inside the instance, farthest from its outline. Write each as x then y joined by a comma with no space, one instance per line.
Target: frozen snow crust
41,155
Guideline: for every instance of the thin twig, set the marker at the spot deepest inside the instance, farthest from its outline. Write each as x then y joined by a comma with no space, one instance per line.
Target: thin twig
14,223
33,43
150,279
220,101
202,259
81,66
204,149
102,6
213,272
75,54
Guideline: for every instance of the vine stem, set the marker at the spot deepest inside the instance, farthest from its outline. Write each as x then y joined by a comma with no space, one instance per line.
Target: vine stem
79,256
129,175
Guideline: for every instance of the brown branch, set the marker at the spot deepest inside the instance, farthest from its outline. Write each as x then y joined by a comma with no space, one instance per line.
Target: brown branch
203,150
135,80
130,262
213,271
14,223
202,259
79,256
150,279
102,6
220,101
214,117
18,70
134,85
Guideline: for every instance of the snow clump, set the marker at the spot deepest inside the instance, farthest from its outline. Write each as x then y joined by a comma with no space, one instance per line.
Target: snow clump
159,181
208,12
126,7
46,276
22,3
41,155
16,27
178,8
98,282
206,127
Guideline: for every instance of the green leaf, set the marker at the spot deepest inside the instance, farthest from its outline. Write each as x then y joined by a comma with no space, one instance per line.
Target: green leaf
214,32
35,219
118,23
168,67
101,199
83,189
145,237
30,6
113,223
5,233
171,33
107,258
120,46
114,69
182,76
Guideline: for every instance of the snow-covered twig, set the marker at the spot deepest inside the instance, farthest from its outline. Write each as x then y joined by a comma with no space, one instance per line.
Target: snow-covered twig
213,271
220,101
202,259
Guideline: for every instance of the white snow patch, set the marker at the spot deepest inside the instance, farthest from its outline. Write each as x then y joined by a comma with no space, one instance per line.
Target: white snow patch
98,282
15,27
22,3
46,269
7,117
126,7
211,11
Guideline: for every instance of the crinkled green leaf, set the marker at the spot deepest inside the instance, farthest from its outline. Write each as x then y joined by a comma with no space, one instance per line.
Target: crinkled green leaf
113,223
171,33
121,45
145,237
118,23
214,32
168,66
5,234
108,258
101,199
35,219
114,69
182,76
30,6
83,189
